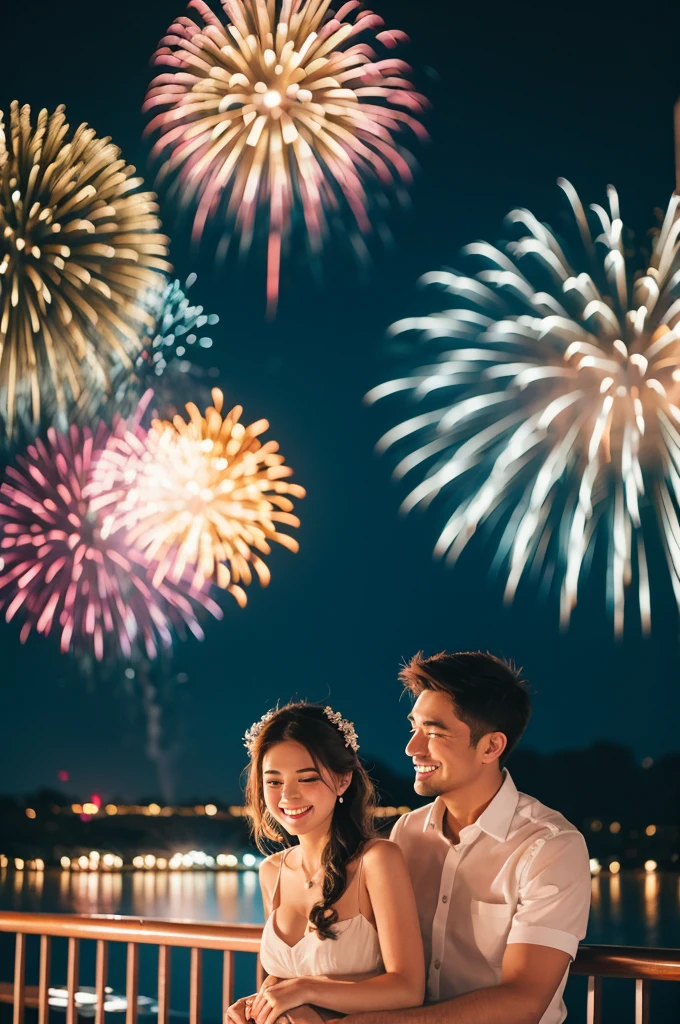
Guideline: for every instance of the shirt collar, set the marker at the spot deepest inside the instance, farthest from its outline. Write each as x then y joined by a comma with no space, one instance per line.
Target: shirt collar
495,820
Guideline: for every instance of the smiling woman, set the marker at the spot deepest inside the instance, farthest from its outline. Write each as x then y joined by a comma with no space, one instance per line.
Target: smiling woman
342,928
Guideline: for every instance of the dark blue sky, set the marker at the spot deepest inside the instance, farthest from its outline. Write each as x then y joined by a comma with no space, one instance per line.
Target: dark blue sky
521,94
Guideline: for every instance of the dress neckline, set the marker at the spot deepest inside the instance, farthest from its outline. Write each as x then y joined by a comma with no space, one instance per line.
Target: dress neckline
345,920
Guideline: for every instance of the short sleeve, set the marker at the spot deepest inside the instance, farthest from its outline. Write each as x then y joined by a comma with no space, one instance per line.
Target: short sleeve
554,893
397,829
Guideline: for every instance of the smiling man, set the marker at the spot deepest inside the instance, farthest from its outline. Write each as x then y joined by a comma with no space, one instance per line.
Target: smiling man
501,881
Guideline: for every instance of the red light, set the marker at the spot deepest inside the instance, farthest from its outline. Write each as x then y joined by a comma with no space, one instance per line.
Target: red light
96,800
62,775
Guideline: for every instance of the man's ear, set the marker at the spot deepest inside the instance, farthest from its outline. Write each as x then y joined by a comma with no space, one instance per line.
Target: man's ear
493,745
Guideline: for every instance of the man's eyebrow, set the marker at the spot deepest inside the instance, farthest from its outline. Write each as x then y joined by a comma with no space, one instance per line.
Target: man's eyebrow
432,722
299,771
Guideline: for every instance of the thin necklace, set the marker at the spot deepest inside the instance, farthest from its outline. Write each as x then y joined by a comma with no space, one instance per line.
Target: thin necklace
309,879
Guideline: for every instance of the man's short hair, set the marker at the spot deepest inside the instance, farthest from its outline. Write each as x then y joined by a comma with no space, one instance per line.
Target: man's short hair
487,693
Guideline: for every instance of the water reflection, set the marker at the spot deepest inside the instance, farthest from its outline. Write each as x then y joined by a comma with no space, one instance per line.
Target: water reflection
628,908
651,905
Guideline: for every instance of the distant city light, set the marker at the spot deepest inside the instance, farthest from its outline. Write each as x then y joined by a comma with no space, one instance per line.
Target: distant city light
161,863
30,813
647,762
149,861
650,865
154,809
595,866
615,867
65,863
18,864
89,808
111,809
210,810
62,775
77,808
108,860
3,861
650,830
117,862
596,825
231,860
138,862
39,864
615,827
248,860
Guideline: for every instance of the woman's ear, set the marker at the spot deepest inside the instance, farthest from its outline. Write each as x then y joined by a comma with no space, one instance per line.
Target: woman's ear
343,783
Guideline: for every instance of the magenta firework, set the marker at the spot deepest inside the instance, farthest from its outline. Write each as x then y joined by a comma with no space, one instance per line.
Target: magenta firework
62,574
280,106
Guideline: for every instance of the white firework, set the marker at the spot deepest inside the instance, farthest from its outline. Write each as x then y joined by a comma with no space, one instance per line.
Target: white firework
561,371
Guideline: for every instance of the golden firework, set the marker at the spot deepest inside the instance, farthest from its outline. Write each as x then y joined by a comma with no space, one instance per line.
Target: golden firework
201,499
279,106
80,256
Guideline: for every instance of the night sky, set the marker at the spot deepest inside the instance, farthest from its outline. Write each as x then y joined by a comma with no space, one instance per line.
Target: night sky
520,95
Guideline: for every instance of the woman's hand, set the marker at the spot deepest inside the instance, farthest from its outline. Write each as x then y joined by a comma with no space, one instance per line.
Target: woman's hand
276,997
239,1012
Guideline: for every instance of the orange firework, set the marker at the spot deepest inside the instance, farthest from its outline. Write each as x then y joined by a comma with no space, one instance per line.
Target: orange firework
202,498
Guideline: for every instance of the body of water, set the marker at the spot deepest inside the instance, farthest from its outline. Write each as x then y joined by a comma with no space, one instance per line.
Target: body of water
627,909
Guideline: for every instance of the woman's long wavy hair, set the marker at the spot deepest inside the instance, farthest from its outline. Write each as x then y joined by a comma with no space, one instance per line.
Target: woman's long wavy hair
352,823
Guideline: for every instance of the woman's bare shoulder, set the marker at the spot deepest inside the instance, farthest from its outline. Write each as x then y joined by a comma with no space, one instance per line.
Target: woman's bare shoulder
269,868
382,853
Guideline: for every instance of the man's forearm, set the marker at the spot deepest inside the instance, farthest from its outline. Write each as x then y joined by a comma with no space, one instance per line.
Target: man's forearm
502,1004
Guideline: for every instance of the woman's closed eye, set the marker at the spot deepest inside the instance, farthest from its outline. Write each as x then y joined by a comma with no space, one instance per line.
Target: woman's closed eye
278,782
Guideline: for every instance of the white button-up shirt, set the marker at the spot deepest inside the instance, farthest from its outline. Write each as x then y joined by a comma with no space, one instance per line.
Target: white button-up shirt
520,873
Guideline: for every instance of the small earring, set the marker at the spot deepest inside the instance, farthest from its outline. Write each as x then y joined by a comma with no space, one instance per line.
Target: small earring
340,799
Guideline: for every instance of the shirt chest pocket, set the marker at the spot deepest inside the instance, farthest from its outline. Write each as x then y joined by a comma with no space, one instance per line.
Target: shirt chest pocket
491,926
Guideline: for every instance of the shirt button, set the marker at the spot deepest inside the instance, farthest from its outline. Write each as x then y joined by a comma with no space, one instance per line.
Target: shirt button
445,899
437,964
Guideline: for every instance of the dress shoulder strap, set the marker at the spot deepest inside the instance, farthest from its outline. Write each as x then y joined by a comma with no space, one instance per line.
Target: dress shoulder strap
358,890
276,898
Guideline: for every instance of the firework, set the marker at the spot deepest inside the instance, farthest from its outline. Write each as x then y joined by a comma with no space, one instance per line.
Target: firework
166,363
201,498
286,105
80,256
58,570
561,372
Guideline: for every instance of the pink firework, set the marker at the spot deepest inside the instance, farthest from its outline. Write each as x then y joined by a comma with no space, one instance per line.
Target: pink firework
282,104
59,570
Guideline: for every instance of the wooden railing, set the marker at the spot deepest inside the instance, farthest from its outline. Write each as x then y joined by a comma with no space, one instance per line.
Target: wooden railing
640,963
595,962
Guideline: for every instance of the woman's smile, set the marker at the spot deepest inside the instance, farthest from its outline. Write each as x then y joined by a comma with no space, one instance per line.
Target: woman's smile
296,813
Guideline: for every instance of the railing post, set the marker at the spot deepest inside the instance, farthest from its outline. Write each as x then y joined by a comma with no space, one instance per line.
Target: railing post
594,1001
100,980
163,984
44,981
71,980
132,982
641,1001
195,979
19,972
227,981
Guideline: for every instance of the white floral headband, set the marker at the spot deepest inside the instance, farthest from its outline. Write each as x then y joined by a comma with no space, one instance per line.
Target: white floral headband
334,717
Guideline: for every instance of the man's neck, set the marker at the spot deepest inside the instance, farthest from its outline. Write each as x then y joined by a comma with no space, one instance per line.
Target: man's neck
464,806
